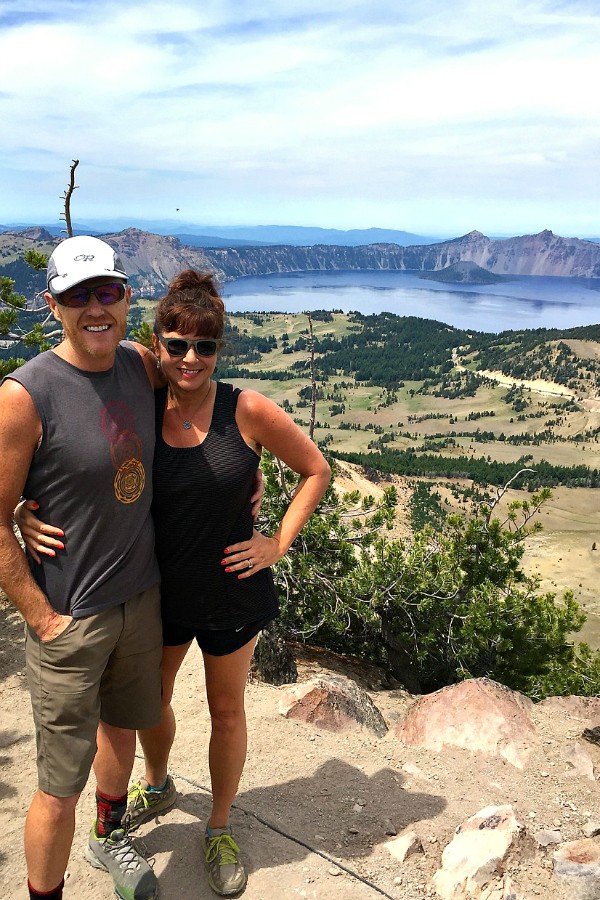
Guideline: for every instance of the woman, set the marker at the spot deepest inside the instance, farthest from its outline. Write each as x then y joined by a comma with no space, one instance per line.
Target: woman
216,582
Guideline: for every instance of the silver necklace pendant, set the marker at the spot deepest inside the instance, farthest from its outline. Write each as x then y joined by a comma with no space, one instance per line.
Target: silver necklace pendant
187,424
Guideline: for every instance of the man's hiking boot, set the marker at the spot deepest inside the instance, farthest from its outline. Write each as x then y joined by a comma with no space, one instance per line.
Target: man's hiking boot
133,879
143,804
226,874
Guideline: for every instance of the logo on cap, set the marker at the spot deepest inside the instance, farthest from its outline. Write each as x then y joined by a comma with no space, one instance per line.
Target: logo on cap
83,257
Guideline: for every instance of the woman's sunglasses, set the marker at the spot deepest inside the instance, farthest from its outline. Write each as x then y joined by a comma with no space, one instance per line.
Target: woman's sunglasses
77,297
179,346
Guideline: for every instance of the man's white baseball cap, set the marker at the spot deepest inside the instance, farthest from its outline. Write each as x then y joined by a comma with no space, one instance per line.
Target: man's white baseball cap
78,258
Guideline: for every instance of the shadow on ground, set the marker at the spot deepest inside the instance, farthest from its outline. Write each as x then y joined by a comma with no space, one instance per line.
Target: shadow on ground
325,812
12,641
10,740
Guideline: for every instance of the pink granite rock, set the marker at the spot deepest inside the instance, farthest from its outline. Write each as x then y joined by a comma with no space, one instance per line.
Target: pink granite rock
478,715
334,703
577,867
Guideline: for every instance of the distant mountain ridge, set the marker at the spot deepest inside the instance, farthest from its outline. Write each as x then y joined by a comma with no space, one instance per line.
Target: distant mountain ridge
541,254
238,235
151,260
302,236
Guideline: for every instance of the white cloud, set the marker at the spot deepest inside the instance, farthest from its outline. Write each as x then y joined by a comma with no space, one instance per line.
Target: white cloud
332,115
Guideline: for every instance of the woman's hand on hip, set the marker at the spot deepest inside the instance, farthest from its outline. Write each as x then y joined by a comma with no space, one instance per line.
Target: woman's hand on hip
248,557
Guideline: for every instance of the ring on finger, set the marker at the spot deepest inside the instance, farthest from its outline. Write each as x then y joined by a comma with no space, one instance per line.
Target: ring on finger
250,564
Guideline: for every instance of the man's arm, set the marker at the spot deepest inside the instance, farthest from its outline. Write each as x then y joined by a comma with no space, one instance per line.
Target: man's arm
20,431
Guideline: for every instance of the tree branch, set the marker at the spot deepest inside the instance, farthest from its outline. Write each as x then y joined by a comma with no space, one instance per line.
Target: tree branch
67,199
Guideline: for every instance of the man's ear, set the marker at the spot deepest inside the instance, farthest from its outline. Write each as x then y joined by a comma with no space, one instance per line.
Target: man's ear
54,306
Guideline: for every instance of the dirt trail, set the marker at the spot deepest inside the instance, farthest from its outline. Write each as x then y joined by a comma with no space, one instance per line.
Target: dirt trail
538,385
313,807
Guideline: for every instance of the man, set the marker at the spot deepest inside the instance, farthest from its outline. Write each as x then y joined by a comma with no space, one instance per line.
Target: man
77,433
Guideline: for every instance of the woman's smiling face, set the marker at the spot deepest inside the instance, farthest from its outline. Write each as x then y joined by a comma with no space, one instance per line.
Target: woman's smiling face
191,370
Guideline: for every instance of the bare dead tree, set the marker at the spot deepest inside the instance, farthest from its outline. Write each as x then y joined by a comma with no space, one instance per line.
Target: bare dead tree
313,409
12,304
66,198
313,383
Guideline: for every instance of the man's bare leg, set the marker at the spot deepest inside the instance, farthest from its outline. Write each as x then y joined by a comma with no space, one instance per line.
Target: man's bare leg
49,832
108,848
114,759
157,742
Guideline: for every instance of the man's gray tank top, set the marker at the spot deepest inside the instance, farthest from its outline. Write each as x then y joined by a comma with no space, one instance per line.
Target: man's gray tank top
92,477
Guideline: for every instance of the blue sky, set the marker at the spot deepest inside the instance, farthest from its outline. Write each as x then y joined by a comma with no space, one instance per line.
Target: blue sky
431,117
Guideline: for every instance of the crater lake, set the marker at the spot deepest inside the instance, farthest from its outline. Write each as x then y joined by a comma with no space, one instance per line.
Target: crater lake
518,302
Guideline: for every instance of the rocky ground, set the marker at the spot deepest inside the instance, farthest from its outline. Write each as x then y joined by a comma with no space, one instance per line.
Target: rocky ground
317,809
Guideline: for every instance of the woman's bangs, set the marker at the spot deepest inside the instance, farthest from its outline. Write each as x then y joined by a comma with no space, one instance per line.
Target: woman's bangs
194,320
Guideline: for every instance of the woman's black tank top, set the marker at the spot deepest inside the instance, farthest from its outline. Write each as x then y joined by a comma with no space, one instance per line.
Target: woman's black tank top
201,506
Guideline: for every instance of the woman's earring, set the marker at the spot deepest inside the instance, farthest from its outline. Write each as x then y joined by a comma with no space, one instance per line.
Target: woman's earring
158,366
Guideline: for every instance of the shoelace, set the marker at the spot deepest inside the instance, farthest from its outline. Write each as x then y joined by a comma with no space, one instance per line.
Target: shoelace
119,847
137,792
224,847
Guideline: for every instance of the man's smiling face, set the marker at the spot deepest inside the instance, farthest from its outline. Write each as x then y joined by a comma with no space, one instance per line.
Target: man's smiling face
92,332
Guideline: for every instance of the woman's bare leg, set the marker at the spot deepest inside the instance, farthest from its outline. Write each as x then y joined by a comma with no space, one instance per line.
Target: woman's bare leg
226,678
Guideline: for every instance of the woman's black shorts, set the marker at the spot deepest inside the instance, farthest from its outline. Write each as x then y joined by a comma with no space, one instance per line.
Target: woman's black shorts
215,642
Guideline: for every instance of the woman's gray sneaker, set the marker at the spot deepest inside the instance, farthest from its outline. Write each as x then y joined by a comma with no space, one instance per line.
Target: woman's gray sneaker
133,879
143,804
226,874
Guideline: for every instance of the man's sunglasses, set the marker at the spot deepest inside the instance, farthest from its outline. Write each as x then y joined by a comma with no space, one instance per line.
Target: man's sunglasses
179,346
79,296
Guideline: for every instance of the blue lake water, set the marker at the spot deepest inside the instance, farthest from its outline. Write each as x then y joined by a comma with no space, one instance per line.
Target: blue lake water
521,302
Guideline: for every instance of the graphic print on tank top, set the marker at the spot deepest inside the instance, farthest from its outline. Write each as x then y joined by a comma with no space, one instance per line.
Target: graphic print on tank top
118,425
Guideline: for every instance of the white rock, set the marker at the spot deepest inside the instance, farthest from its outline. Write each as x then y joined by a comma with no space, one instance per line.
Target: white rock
407,844
546,837
509,891
492,894
474,855
580,760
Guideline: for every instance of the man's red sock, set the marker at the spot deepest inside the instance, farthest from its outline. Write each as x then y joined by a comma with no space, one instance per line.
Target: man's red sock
110,812
56,894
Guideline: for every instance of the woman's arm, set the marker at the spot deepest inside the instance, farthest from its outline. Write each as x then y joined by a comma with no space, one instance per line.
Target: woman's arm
41,538
264,424
154,372
37,535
